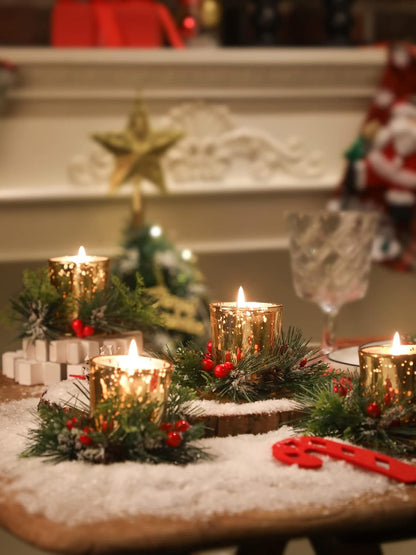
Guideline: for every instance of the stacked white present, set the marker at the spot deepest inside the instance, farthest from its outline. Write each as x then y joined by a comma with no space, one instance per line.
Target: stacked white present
49,362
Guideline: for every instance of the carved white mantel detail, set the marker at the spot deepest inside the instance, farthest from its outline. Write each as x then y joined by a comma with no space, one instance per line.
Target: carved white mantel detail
215,153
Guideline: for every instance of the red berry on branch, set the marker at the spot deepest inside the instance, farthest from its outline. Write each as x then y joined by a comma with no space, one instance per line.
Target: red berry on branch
207,364
228,365
107,426
209,346
373,410
88,331
75,420
69,424
227,357
85,439
303,363
239,354
77,325
166,426
174,439
208,355
182,425
220,371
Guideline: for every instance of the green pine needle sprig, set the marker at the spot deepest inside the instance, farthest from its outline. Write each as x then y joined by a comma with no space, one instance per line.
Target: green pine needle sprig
38,311
119,430
257,376
366,416
117,308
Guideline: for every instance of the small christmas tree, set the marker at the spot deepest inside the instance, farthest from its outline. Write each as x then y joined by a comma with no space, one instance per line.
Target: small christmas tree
170,276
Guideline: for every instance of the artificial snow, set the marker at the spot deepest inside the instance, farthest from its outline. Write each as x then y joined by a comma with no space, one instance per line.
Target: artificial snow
214,408
68,392
242,476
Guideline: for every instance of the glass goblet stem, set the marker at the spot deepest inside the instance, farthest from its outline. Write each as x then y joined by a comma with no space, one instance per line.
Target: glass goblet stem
328,335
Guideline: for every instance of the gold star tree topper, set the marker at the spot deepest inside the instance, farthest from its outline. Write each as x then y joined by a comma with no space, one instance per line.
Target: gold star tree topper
138,151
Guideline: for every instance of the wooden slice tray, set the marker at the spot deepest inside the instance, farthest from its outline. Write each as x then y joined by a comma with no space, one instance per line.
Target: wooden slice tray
223,425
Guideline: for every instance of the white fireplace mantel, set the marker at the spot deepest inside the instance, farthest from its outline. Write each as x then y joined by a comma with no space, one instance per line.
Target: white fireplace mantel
266,131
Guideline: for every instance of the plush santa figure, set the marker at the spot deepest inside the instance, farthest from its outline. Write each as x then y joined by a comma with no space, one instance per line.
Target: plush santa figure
391,162
382,161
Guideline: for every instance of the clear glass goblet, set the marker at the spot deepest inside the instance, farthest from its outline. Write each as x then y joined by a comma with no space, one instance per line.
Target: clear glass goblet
330,255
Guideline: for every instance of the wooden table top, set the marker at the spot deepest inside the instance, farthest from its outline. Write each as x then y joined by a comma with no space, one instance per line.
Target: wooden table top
376,517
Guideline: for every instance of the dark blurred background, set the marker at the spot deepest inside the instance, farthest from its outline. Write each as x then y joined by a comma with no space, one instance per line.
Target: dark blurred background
245,22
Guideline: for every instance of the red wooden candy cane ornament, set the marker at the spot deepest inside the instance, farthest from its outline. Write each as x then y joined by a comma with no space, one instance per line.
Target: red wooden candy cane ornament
297,450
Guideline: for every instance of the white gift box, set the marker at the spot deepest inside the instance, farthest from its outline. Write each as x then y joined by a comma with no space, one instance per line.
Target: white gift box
29,372
8,361
73,352
109,347
90,348
57,350
49,362
53,372
28,348
121,346
42,350
75,370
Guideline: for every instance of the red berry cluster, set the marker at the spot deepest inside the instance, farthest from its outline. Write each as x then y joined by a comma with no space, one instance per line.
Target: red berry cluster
84,438
207,362
220,370
374,409
81,330
342,386
174,432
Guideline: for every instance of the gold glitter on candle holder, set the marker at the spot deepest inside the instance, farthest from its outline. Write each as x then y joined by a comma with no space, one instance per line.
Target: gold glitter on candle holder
238,330
81,276
144,378
382,365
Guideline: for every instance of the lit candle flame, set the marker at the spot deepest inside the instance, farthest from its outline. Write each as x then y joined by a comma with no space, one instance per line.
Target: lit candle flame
82,255
133,357
241,300
396,346
133,351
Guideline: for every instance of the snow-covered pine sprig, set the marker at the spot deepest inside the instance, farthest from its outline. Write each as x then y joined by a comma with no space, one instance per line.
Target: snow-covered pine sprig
375,418
38,311
120,430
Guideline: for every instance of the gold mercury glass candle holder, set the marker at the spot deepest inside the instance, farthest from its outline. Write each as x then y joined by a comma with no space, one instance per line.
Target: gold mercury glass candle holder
239,330
82,275
145,379
389,366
